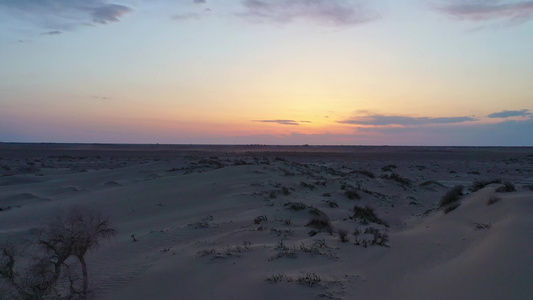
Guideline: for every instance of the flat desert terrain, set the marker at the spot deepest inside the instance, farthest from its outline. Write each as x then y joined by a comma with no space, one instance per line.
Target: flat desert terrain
282,222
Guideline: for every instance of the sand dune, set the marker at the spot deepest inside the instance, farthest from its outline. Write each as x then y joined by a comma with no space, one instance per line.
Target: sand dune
237,223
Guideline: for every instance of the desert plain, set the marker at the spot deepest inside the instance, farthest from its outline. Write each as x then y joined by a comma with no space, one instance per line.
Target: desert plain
284,222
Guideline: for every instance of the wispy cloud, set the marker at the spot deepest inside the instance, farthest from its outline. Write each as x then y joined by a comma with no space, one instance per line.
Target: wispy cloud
328,12
109,13
511,113
200,2
482,10
283,122
383,120
186,16
53,32
59,15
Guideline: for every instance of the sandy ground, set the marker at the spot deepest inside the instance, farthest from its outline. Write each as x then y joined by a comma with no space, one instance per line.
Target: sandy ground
235,222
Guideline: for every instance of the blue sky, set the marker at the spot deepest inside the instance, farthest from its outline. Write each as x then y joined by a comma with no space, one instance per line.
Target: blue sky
377,72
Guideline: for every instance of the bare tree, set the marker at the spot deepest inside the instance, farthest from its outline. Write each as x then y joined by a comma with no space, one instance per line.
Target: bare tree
71,233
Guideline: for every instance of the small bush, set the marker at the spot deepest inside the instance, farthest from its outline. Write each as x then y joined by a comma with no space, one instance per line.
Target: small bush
295,205
479,226
321,223
367,215
309,279
262,218
343,235
388,168
276,278
379,238
451,207
332,204
397,178
357,232
452,196
352,194
307,185
506,188
493,199
285,190
479,184
366,173
316,212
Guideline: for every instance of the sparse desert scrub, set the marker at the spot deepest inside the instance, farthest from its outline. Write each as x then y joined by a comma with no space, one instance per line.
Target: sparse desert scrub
506,188
295,205
316,212
366,215
285,190
352,194
451,207
260,219
321,223
449,201
277,278
479,226
378,238
479,184
280,232
493,199
309,279
343,235
332,204
366,173
307,185
388,168
396,177
430,182
204,223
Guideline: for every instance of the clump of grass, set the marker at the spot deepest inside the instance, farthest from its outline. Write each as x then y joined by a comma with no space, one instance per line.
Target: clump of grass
388,168
430,182
479,184
378,238
366,215
366,173
285,190
260,219
493,199
332,204
307,185
451,207
352,194
295,205
276,278
309,279
343,235
479,226
321,223
316,212
357,232
397,178
506,188
451,197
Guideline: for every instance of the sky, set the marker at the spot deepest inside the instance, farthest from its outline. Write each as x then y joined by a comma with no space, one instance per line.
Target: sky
317,72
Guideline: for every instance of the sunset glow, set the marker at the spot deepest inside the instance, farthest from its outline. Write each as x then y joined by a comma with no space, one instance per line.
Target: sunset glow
268,72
